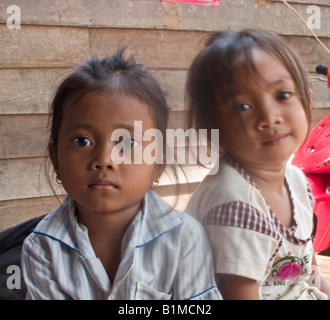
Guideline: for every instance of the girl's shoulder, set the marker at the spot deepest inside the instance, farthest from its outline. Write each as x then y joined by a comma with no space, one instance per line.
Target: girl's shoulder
295,174
158,208
227,184
56,226
167,215
56,218
160,223
298,185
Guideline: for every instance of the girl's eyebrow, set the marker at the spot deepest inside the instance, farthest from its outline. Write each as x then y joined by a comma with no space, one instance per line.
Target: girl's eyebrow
128,126
77,126
281,80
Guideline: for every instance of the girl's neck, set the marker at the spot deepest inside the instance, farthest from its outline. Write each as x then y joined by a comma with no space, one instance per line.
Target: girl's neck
106,221
106,232
269,176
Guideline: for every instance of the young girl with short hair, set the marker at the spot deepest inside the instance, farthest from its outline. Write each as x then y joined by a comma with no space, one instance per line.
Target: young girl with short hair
113,237
257,209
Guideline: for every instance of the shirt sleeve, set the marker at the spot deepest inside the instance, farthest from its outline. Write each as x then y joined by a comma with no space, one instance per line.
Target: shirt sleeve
38,272
243,240
195,274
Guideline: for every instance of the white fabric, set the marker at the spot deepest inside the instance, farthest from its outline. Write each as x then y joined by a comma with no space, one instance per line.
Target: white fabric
249,241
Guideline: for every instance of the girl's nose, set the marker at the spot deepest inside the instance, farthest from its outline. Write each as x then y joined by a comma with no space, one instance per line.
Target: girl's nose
269,116
102,159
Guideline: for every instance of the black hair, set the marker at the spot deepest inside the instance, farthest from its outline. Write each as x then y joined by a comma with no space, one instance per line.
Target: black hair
117,75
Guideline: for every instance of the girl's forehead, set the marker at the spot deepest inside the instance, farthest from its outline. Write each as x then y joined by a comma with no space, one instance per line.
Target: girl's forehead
105,108
261,67
113,101
254,59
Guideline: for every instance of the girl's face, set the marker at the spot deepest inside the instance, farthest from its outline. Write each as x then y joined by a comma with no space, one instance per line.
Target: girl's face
272,122
83,161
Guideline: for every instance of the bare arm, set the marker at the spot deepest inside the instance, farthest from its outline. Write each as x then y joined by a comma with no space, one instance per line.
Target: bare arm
237,288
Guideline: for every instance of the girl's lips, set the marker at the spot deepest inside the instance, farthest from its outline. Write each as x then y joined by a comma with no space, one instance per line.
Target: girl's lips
276,139
102,184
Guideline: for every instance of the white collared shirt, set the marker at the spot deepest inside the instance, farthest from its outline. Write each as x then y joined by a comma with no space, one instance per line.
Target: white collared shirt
165,255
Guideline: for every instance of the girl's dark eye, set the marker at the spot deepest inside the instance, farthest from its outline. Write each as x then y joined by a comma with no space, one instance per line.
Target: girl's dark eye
82,142
244,107
284,95
129,143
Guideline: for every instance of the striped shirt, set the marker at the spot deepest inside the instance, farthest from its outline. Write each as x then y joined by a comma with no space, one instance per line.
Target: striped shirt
246,237
165,255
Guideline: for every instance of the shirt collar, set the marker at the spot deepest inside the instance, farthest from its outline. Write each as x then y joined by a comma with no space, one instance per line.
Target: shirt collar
233,163
158,217
59,225
155,218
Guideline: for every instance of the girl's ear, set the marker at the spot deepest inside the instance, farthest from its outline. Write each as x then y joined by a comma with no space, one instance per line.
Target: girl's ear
53,157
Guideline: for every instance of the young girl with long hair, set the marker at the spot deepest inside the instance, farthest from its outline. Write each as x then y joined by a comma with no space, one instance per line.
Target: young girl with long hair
257,209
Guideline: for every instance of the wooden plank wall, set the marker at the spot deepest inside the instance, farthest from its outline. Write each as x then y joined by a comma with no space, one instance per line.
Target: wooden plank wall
55,35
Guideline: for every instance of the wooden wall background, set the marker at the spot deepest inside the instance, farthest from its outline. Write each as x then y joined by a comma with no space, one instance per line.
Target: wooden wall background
56,34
